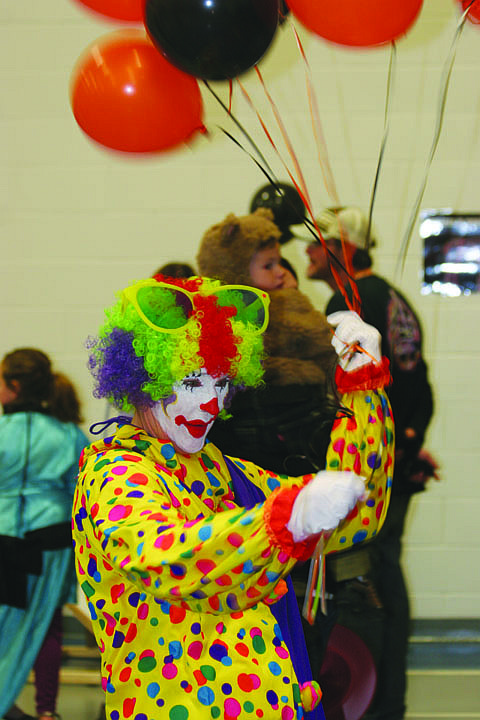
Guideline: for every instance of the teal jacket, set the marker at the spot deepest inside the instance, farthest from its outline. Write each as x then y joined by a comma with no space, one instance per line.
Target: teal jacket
38,469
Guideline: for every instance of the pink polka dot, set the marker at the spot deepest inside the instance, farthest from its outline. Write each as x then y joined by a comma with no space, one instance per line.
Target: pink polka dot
119,470
119,512
287,713
169,671
232,707
235,539
255,631
143,611
195,649
281,652
256,682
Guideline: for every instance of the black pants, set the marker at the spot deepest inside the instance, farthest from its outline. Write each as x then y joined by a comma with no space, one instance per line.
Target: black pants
389,701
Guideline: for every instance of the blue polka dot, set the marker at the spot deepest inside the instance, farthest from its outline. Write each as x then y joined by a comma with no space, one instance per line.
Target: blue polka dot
274,668
93,613
167,451
206,695
359,536
273,483
205,532
272,697
175,649
153,689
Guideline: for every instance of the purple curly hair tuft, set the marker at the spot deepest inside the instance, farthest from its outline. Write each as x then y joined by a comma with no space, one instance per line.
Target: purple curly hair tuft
120,374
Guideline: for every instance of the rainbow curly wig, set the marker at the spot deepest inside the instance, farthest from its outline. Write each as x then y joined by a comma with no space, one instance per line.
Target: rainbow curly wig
135,364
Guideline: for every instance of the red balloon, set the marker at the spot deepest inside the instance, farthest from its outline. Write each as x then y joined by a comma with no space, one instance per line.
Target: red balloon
128,10
474,12
125,95
360,23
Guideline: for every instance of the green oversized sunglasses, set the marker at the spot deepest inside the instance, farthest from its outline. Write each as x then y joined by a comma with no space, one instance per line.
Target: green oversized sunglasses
167,308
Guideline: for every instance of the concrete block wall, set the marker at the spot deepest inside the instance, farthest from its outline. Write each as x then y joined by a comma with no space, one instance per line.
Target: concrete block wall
78,222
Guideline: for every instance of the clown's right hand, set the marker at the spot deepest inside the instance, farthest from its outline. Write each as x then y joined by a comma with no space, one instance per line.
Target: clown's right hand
326,500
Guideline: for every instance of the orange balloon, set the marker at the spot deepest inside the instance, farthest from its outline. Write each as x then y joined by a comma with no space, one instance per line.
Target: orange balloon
129,10
360,23
126,96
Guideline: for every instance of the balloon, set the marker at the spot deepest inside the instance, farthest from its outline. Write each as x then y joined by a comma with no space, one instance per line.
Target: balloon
474,12
212,39
285,203
129,10
360,23
126,96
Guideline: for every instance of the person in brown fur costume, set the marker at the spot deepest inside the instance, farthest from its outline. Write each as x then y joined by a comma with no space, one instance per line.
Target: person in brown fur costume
283,431
285,425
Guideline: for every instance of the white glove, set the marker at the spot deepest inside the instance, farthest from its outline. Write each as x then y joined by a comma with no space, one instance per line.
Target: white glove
351,330
326,500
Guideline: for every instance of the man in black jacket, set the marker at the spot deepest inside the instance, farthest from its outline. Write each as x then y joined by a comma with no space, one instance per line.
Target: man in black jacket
348,238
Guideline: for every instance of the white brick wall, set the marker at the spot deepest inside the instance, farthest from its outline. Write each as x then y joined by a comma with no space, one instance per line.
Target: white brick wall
78,222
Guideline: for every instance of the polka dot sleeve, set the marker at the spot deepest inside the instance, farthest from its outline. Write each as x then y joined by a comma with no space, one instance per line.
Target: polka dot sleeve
363,442
133,520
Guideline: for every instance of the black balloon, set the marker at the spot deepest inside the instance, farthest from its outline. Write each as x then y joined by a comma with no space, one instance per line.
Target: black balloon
286,204
212,39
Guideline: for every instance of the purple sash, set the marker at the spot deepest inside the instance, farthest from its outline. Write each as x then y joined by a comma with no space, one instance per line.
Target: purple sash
286,610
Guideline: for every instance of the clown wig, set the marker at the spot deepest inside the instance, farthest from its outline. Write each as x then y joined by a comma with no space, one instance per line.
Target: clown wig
135,365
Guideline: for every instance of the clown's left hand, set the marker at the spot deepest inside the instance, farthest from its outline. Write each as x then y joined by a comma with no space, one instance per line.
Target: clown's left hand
355,342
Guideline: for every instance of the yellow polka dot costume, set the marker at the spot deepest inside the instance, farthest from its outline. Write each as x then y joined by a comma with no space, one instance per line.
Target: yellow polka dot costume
182,581
179,579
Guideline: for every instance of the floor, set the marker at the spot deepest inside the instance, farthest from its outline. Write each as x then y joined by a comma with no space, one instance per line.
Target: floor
443,676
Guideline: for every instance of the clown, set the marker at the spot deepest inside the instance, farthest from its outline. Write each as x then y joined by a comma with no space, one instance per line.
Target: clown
181,551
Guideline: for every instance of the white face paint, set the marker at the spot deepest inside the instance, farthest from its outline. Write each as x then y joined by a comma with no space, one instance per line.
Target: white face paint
188,414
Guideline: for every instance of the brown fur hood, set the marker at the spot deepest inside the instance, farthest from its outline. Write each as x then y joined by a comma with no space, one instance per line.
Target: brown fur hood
297,341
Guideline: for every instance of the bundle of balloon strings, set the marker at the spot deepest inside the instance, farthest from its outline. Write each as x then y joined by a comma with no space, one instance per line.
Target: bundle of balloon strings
315,593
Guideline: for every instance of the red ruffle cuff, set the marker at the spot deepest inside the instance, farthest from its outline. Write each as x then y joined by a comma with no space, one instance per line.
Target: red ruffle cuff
278,509
368,377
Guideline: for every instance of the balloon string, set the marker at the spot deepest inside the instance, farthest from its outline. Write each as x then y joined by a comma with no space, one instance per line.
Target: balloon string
259,165
289,146
315,590
386,126
311,225
442,99
354,303
317,126
300,189
241,128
